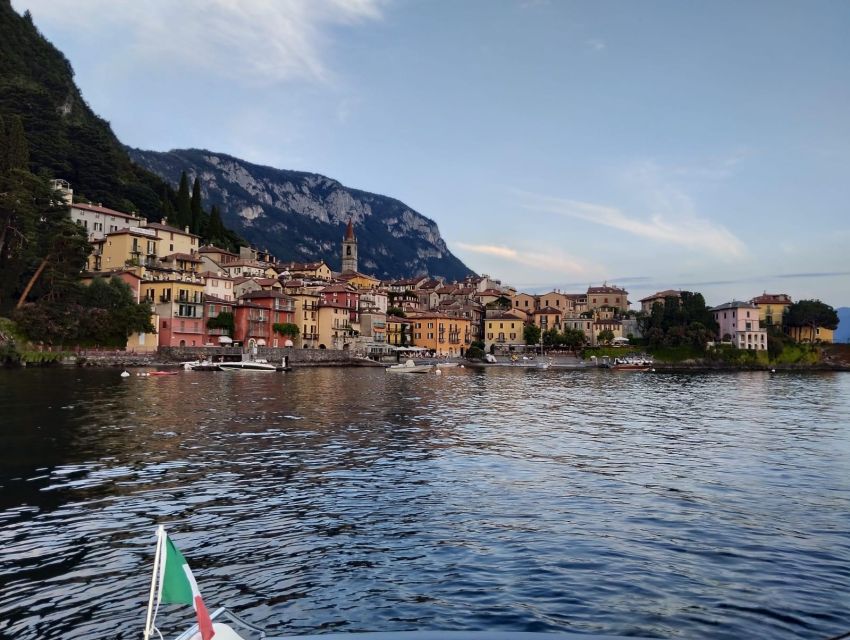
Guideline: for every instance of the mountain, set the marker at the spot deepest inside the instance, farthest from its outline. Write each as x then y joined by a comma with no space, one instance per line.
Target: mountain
66,139
302,216
842,333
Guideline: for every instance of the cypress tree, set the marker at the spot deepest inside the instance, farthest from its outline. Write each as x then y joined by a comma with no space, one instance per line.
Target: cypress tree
183,215
216,226
195,207
167,207
17,149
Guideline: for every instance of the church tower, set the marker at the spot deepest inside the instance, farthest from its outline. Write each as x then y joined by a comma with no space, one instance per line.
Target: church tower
349,249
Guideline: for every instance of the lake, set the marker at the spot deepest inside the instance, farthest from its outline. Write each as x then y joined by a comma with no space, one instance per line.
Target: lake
664,505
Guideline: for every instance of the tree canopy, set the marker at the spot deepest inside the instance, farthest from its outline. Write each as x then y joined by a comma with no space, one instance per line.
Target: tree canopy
811,313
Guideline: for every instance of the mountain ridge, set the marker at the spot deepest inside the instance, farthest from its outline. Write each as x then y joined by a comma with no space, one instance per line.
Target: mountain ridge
842,333
300,215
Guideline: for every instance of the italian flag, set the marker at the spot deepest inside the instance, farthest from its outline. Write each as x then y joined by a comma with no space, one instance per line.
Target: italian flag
177,585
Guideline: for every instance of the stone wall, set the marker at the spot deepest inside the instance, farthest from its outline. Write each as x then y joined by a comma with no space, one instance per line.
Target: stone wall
297,357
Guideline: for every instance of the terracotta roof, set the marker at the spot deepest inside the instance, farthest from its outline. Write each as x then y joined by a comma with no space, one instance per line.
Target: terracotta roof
250,295
338,288
772,298
504,316
735,304
336,305
606,289
133,231
165,227
186,257
96,208
216,300
349,230
211,249
211,274
548,310
667,293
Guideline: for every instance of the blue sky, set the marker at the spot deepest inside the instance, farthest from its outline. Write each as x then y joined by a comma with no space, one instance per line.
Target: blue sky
557,144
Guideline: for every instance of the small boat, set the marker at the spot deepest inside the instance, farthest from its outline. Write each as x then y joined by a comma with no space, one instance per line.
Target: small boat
247,365
410,367
163,373
631,364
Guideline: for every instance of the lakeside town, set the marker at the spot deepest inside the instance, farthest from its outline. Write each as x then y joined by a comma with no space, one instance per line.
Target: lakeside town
205,296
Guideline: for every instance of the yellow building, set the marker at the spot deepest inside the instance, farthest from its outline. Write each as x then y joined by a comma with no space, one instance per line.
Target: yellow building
772,308
128,247
173,239
503,331
524,302
607,296
306,316
307,270
809,334
359,280
400,332
548,318
442,334
335,328
556,300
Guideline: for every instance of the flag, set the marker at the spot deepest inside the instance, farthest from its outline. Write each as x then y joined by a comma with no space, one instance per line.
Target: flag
177,585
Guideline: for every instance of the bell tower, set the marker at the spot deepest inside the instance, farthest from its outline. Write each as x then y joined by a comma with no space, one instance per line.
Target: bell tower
349,249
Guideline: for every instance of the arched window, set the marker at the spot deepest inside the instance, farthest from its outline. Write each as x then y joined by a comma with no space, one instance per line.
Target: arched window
348,250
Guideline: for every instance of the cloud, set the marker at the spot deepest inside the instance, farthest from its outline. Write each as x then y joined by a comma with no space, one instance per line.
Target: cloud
535,259
685,230
261,41
595,44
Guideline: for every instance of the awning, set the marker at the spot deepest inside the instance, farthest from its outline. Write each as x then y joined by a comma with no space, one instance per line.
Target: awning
261,343
224,340
288,343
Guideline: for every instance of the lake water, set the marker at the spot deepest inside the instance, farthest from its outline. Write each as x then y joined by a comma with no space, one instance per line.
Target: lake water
671,506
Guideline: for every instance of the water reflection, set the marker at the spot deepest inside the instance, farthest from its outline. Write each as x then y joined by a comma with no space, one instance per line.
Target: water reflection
663,505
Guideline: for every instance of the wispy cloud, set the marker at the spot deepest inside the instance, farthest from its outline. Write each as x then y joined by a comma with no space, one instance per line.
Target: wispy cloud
595,44
536,259
264,41
685,230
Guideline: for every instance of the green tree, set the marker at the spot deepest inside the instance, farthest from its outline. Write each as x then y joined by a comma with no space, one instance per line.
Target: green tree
552,337
223,320
395,311
286,329
17,148
215,227
531,334
605,336
196,208
811,314
183,214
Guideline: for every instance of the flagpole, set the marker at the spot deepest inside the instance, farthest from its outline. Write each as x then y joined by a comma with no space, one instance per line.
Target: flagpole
160,535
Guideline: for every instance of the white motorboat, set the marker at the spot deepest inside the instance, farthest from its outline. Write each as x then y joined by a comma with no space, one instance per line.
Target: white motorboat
247,365
410,367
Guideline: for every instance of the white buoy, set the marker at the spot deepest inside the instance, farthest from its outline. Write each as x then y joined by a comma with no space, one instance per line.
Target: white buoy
462,367
124,374
773,370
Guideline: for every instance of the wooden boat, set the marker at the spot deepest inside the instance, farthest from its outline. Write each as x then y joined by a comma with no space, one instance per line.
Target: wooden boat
410,367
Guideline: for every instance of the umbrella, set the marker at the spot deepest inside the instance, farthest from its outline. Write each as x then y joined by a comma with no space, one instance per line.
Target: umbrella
224,340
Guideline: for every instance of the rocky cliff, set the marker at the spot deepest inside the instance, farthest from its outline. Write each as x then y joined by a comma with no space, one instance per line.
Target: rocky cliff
302,216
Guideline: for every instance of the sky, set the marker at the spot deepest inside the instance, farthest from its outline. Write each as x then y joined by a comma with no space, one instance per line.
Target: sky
557,144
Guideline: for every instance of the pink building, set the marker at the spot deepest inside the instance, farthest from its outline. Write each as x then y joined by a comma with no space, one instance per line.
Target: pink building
739,321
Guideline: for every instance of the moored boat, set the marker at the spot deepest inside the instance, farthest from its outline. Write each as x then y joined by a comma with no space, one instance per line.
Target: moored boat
410,367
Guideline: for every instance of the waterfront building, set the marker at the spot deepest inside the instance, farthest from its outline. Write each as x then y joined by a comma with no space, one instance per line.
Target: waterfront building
400,331
256,313
246,269
503,331
811,334
442,334
178,301
606,324
524,302
577,322
306,305
659,297
738,322
336,329
213,307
